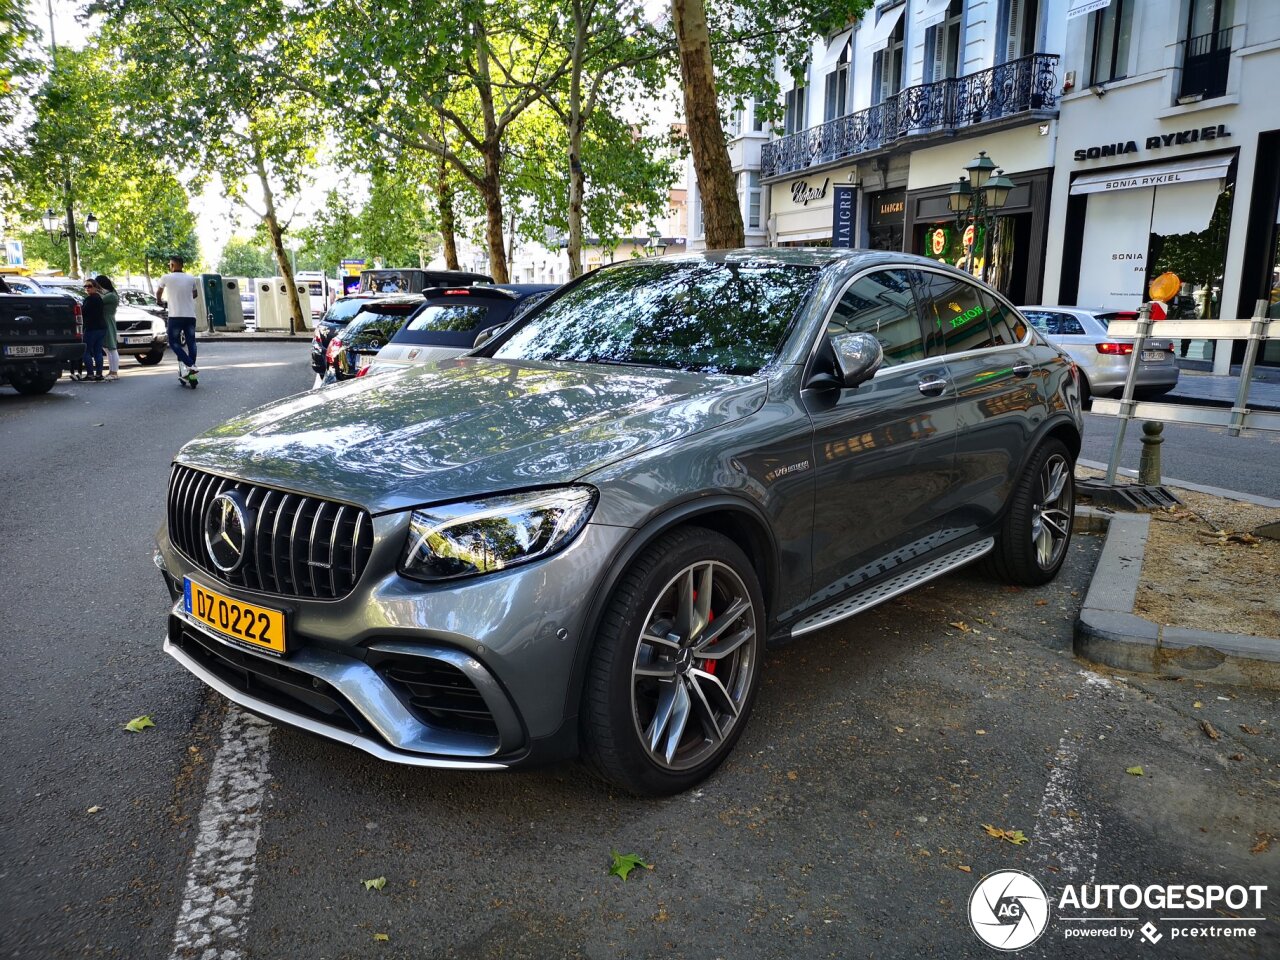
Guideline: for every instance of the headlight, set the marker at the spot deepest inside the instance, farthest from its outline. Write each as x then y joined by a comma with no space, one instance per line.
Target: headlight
464,539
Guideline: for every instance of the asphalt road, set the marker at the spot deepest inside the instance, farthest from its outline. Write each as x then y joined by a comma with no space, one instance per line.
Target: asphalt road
1203,455
847,823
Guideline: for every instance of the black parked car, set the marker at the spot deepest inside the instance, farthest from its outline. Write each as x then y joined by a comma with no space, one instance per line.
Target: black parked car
413,280
377,321
340,313
451,319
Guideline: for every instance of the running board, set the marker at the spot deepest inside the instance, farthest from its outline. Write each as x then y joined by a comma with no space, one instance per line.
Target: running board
888,589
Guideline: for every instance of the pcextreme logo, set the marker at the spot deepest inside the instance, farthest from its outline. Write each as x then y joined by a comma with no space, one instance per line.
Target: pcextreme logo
1009,910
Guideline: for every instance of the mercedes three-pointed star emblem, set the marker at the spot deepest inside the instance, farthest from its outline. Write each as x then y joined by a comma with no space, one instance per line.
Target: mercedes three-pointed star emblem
226,531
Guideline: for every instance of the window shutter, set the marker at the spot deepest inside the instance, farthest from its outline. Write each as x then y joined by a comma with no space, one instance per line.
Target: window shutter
1013,43
931,55
877,76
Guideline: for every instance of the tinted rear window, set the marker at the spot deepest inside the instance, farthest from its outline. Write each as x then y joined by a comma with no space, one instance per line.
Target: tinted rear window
454,324
343,311
374,325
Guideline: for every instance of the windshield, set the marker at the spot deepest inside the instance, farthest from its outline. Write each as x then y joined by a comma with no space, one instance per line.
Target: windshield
344,310
729,317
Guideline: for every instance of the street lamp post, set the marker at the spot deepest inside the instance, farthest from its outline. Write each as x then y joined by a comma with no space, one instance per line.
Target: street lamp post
656,246
977,200
59,230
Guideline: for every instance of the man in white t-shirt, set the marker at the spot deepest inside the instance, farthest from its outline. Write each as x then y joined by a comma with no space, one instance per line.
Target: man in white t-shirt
177,292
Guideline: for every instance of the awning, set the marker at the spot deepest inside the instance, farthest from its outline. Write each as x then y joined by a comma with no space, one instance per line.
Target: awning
1152,175
932,12
1078,8
878,35
835,46
1185,209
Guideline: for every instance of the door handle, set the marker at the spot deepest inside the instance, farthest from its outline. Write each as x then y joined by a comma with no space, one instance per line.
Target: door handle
1022,370
932,388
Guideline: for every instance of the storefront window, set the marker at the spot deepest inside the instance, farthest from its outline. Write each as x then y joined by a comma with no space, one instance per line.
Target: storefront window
948,244
1199,259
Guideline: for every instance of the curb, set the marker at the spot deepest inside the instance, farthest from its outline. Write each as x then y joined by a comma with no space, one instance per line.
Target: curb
1109,633
1187,485
255,337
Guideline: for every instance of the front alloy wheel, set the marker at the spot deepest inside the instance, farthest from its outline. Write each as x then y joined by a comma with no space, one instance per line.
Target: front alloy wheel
1031,543
1051,520
676,664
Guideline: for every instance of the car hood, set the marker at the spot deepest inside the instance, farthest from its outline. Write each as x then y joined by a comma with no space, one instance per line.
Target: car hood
466,427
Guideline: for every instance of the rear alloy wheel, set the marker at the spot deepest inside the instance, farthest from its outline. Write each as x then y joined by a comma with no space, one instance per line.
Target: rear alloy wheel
1036,531
676,664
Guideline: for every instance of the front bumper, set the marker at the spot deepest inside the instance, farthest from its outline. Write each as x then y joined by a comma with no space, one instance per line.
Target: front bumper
473,674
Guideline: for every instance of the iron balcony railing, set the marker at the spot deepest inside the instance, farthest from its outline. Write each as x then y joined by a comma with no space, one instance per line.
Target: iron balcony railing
1022,85
1204,71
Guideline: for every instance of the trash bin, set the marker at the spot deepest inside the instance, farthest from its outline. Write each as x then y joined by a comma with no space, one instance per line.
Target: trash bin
210,308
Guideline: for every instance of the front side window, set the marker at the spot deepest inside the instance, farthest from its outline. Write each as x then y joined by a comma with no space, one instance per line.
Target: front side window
729,317
882,304
955,317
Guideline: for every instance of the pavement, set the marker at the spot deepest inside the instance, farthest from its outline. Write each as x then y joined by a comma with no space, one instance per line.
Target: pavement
1201,387
851,820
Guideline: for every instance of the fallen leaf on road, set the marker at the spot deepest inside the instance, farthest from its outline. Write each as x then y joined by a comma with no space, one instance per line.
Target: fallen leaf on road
1252,731
1264,841
1042,603
381,937
1016,837
138,724
1135,772
981,733
94,809
899,729
377,883
624,864
959,625
791,775
1236,756
1197,705
1209,730
961,866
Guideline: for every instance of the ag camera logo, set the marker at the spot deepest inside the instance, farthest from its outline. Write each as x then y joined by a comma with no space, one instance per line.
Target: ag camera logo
1008,910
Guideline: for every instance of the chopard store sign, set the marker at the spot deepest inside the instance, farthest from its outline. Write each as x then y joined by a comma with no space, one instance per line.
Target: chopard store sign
802,193
1153,143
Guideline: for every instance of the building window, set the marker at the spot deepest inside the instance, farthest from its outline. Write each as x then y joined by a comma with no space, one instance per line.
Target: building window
837,98
886,68
757,119
1112,28
1207,55
942,46
753,200
794,118
1019,28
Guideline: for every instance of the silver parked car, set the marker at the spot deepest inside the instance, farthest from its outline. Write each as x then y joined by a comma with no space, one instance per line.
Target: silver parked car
1103,360
579,537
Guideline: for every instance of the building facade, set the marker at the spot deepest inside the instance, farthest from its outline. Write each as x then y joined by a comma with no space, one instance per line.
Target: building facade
891,110
1169,159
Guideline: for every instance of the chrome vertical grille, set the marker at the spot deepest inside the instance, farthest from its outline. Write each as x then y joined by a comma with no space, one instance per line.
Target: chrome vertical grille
297,546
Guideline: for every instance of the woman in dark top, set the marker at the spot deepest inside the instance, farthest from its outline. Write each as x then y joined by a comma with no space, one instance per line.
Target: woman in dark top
110,300
95,331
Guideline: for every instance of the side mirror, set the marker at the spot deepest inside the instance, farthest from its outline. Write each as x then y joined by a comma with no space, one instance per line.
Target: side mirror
858,357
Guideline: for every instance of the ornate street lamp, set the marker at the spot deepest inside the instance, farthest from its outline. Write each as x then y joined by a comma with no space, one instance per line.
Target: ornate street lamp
976,201
656,246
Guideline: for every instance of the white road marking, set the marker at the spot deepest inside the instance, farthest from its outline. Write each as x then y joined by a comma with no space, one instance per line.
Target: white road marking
1066,832
215,908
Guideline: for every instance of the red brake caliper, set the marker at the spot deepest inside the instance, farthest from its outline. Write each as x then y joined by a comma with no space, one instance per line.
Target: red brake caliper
709,665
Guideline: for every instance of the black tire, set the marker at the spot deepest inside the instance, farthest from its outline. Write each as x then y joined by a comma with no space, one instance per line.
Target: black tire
36,384
628,695
152,358
1086,394
1019,556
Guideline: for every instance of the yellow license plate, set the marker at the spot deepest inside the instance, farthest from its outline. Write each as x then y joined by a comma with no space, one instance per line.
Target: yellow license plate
247,623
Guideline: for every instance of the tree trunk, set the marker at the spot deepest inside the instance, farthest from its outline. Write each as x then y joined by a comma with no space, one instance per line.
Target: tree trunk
296,323
721,215
146,273
577,179
490,185
491,194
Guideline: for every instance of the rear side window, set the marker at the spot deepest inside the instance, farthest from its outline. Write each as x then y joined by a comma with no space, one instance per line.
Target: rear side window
955,316
1054,324
883,305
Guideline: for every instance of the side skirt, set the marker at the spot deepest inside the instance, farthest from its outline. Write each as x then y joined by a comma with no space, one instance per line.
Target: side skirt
887,589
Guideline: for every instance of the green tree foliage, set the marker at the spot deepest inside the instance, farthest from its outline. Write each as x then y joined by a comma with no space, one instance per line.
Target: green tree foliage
244,258
216,86
333,235
74,149
395,226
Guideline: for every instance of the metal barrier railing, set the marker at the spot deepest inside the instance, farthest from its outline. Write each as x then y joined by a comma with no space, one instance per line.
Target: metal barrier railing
1254,331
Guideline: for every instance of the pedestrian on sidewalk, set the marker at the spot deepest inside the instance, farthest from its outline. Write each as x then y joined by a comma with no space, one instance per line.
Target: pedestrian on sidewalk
177,292
110,300
95,331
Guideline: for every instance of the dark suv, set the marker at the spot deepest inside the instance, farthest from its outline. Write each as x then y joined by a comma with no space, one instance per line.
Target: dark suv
580,537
